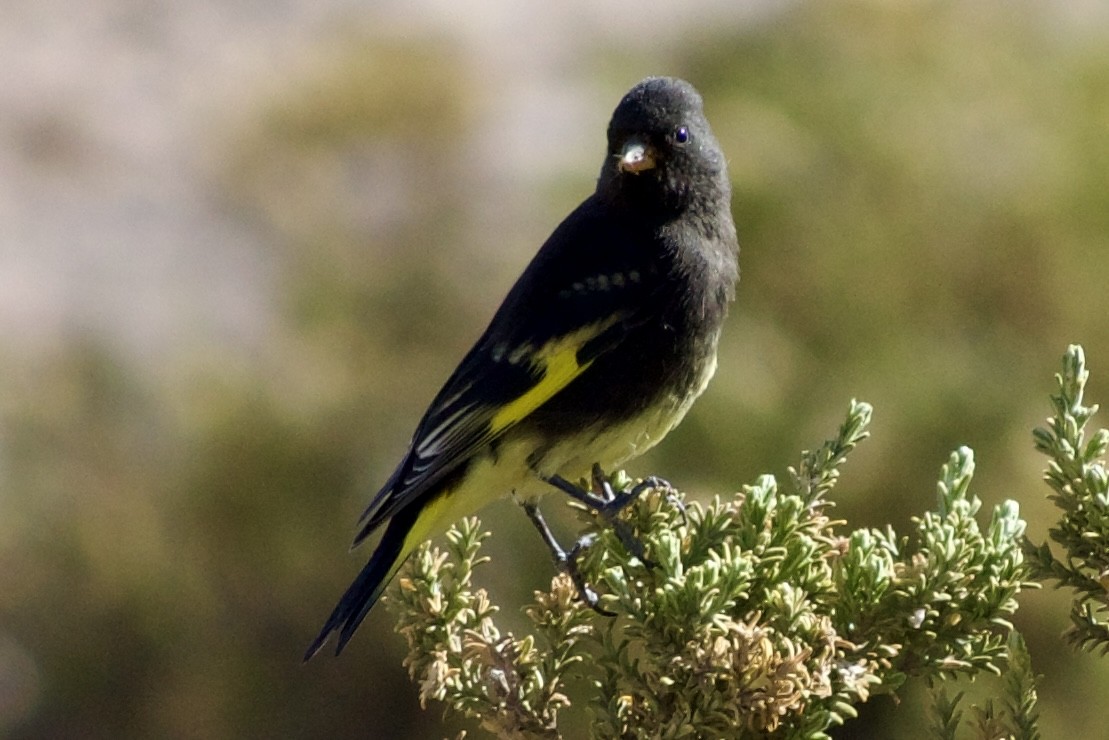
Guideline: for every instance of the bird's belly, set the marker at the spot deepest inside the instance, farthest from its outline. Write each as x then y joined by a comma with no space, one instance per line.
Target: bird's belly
528,454
615,444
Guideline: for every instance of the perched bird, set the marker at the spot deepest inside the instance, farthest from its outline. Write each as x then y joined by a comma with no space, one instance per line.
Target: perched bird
596,353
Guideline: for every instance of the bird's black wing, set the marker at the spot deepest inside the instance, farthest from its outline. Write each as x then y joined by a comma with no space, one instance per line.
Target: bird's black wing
576,300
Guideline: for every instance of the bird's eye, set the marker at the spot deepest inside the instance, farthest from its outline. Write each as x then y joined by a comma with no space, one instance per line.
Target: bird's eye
681,136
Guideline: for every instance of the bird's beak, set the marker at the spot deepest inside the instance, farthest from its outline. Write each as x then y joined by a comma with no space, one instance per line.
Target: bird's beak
636,157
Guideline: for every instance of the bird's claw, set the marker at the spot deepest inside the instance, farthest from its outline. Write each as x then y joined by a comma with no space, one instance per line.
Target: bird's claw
567,562
569,565
608,503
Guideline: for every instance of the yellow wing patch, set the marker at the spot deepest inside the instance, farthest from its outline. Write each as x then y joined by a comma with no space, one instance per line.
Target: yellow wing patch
559,362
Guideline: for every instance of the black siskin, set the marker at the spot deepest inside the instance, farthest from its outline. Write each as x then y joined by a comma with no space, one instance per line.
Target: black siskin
596,353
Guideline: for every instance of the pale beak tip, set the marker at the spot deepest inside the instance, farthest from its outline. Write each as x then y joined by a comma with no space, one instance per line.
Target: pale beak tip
636,158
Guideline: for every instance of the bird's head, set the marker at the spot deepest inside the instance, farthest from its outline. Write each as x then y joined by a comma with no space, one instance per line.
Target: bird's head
661,151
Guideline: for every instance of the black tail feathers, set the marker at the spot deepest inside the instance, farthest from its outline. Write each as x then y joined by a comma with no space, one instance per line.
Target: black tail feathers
368,586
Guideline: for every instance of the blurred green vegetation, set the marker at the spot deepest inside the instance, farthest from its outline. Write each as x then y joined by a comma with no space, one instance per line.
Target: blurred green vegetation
920,190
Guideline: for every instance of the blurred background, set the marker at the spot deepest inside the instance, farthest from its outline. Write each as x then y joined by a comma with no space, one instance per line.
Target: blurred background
242,244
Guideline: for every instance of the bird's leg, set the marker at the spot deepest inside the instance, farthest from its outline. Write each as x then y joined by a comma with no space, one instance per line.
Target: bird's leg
566,561
609,503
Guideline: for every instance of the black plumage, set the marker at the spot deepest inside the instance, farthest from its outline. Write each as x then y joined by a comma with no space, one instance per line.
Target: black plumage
597,351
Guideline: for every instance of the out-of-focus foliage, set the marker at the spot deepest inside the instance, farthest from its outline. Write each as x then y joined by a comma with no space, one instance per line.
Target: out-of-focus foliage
1012,715
920,191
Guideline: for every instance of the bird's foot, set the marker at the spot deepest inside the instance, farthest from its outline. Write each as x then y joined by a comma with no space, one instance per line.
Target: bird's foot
608,503
567,562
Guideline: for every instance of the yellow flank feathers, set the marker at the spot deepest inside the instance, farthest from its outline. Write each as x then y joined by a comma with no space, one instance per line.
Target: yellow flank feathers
559,362
435,516
487,479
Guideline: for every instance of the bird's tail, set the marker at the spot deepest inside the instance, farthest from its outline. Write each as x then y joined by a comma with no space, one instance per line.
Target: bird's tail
370,583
